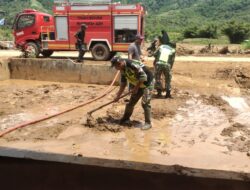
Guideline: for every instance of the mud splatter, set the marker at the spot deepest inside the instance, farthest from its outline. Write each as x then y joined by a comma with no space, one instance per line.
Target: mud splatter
242,77
238,136
225,73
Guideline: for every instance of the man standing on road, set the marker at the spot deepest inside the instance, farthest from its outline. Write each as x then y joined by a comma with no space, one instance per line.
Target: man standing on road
164,60
134,49
80,36
141,78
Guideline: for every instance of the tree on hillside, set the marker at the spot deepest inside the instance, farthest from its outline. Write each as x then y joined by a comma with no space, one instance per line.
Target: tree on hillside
236,32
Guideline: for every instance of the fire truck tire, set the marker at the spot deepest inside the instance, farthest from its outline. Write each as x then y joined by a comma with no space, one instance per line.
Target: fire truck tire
32,50
100,52
47,53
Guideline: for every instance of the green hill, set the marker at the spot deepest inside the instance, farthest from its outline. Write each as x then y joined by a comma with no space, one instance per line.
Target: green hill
12,7
172,15
175,15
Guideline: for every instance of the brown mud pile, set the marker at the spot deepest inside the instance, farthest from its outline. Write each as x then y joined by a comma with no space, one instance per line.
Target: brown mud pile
210,49
239,137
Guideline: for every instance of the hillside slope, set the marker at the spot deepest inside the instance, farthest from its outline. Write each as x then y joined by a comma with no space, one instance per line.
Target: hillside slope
176,15
180,12
12,7
172,15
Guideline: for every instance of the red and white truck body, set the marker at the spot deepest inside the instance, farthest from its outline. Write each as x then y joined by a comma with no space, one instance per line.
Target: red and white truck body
111,28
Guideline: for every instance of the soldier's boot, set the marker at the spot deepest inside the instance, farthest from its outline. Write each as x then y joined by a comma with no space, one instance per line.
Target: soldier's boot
146,126
125,120
147,115
159,93
168,94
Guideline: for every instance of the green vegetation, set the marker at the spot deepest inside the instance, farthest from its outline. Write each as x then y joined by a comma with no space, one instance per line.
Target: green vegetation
205,41
180,18
236,32
40,5
246,44
12,7
206,31
5,34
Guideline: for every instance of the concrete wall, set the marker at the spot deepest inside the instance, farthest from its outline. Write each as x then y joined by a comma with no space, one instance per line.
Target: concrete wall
61,70
4,69
40,175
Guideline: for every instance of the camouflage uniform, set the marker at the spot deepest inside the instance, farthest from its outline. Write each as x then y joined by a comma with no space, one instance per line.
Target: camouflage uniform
164,58
134,72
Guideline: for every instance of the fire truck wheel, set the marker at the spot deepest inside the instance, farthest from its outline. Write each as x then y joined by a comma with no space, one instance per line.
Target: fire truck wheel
31,50
47,53
100,52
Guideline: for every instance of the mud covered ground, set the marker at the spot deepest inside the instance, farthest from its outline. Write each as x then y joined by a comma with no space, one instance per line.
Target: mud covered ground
209,112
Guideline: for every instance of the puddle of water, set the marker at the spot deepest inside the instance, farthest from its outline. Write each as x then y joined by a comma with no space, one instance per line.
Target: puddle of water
238,103
12,120
15,119
197,122
243,118
242,107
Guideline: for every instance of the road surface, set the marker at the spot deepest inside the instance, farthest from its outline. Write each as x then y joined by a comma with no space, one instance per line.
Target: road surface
74,54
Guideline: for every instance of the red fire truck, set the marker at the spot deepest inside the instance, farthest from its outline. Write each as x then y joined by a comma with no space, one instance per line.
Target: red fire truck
111,27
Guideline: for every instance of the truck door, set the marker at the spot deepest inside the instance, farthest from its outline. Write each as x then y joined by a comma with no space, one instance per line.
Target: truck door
61,23
25,28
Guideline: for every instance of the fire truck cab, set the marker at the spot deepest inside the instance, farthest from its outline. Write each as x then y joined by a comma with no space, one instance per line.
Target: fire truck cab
111,27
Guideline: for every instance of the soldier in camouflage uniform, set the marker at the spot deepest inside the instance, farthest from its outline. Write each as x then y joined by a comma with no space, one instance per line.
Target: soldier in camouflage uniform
141,78
164,60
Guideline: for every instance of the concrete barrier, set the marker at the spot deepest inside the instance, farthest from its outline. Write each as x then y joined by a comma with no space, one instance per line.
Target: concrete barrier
39,175
61,70
4,69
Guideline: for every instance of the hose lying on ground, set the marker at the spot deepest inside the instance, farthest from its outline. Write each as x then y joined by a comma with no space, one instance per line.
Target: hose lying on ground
107,91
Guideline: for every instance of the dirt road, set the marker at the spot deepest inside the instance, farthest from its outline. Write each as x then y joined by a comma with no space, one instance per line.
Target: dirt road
74,54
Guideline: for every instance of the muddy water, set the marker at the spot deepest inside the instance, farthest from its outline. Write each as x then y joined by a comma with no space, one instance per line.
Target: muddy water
186,120
241,105
198,121
23,100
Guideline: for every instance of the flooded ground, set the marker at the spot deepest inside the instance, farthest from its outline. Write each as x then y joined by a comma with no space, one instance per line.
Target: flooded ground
208,118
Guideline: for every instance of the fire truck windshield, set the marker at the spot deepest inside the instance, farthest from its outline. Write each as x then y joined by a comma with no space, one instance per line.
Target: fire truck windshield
25,21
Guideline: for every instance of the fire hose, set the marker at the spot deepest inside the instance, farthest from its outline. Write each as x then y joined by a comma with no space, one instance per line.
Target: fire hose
107,91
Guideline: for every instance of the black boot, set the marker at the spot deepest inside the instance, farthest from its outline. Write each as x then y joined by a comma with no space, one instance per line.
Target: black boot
125,120
159,93
168,94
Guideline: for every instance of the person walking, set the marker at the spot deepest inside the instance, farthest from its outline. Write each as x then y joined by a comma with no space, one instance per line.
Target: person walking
136,73
80,36
164,60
